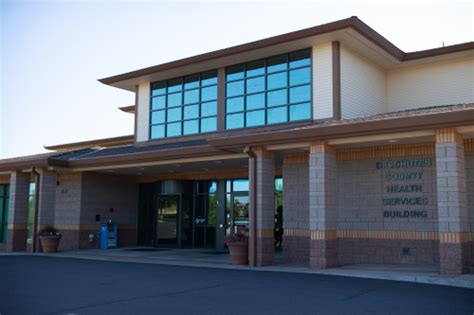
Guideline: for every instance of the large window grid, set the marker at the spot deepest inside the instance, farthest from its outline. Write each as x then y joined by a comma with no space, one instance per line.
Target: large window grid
184,106
269,91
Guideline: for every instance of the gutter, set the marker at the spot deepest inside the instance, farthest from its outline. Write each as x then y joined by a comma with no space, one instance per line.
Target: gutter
253,204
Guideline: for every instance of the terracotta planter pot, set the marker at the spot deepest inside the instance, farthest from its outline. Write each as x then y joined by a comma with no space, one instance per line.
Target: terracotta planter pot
50,243
239,252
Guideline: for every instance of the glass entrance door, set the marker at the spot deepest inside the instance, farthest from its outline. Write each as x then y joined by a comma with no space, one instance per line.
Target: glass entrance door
167,221
241,212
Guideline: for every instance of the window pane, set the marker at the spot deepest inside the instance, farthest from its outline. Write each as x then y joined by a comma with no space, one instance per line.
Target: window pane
278,97
256,101
241,185
158,88
235,104
300,58
191,126
209,93
174,114
234,121
191,111
209,109
157,131
191,81
235,88
278,184
174,99
208,124
255,85
174,129
300,76
158,102
255,118
300,94
277,63
300,111
277,115
158,117
255,68
175,85
191,97
235,72
278,80
209,78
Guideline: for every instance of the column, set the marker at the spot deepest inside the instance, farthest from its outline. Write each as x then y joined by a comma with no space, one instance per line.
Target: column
452,205
264,206
46,201
18,211
296,237
322,205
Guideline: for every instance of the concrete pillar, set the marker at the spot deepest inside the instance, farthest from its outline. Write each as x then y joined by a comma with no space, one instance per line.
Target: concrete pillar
322,205
452,205
296,238
46,201
18,212
264,207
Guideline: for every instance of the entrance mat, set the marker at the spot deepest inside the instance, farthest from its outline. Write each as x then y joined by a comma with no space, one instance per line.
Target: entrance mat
146,249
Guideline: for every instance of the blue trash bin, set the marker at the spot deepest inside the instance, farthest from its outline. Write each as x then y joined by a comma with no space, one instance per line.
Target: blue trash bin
108,235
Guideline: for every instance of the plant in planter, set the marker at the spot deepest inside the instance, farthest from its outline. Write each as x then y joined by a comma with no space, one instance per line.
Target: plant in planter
238,247
49,238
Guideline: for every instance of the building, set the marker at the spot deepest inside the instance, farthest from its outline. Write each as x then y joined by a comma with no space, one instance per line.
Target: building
364,154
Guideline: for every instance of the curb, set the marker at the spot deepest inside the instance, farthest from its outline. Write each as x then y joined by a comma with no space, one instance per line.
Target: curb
453,281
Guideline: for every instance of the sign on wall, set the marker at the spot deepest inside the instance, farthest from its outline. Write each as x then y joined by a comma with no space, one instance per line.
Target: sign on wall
404,192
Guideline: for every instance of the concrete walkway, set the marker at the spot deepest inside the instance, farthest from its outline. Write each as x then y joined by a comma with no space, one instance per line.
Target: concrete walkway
215,259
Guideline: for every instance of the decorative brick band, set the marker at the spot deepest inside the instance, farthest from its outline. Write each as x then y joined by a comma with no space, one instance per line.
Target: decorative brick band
386,151
323,235
17,226
394,235
444,135
403,235
469,145
262,233
320,146
296,158
82,227
452,237
297,232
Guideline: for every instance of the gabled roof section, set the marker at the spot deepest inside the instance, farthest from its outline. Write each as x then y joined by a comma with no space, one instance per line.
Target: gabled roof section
350,23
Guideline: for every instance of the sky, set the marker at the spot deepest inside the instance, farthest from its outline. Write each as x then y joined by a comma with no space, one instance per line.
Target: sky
53,52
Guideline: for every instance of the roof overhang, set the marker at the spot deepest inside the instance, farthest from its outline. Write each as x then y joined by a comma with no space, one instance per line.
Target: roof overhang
106,142
352,32
347,130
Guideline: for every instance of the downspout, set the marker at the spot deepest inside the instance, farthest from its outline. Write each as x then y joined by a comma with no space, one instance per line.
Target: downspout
35,222
252,210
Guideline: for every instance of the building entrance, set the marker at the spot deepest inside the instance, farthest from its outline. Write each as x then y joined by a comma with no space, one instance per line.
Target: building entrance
194,214
167,220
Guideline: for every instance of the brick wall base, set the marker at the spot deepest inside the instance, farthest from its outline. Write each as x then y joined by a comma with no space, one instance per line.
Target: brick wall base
265,251
323,253
296,249
16,241
454,258
387,251
69,240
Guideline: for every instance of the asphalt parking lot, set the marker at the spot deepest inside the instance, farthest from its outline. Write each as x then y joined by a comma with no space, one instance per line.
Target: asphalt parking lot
46,285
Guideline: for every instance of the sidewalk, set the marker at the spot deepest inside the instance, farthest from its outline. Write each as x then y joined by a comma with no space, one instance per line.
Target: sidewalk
216,259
